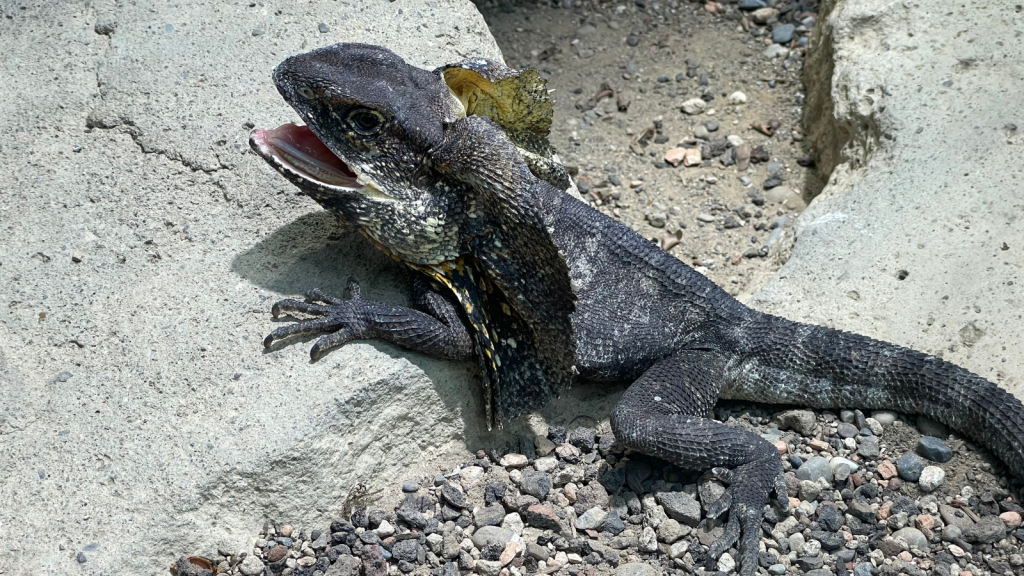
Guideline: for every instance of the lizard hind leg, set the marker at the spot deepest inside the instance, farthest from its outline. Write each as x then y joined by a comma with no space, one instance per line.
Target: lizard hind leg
663,414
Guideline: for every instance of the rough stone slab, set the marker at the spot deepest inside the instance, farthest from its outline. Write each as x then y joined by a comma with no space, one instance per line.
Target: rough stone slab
928,181
143,245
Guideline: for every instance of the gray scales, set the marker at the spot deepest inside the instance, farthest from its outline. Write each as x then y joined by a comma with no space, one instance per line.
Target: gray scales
434,167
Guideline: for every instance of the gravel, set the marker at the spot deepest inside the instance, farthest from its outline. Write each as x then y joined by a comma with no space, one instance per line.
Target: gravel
631,514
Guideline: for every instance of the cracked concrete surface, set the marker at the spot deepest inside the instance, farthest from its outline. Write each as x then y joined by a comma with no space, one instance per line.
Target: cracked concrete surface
918,238
143,245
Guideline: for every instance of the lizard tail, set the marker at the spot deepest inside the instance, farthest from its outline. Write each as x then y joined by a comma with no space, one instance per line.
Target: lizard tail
793,363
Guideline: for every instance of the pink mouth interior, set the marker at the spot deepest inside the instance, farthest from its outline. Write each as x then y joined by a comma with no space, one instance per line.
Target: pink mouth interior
300,150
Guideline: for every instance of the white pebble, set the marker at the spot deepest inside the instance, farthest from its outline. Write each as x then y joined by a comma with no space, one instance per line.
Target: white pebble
931,478
737,98
874,425
884,417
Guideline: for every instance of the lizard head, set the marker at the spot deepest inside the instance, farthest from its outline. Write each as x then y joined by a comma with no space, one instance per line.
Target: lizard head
371,120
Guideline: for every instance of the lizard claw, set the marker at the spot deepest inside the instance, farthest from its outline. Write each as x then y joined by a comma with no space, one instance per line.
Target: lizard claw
745,499
337,317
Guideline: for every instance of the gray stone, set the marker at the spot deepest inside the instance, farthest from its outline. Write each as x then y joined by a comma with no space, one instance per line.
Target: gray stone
863,569
452,494
988,530
868,447
862,510
488,567
680,506
841,472
829,517
809,490
914,538
592,519
406,550
537,552
491,535
847,430
345,565
874,425
492,515
589,496
657,219
613,524
671,530
514,522
648,541
783,33
839,460
251,566
910,466
536,484
814,468
802,421
710,491
934,449
726,563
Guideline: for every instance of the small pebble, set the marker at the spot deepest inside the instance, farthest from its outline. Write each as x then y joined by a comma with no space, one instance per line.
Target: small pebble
931,478
934,449
910,467
783,33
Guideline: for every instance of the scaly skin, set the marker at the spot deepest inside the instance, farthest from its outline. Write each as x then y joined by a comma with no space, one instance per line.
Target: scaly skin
630,312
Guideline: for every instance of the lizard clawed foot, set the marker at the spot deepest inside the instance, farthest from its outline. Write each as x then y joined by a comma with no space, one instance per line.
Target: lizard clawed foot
343,319
745,498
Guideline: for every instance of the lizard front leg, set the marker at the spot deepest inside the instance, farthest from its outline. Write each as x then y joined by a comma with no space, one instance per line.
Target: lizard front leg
663,414
437,330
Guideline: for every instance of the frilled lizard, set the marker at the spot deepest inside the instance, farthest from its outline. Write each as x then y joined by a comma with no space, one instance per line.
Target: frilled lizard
435,169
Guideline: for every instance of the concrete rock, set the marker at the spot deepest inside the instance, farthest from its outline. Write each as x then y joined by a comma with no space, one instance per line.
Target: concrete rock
145,393
893,202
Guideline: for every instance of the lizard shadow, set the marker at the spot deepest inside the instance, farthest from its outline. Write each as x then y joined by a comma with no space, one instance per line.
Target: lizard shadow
314,252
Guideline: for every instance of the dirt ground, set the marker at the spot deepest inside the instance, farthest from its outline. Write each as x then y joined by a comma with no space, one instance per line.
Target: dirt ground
654,57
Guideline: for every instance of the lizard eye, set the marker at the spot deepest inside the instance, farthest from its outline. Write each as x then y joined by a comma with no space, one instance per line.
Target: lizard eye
365,122
305,92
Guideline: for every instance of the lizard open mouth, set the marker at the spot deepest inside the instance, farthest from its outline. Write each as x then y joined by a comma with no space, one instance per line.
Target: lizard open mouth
297,150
